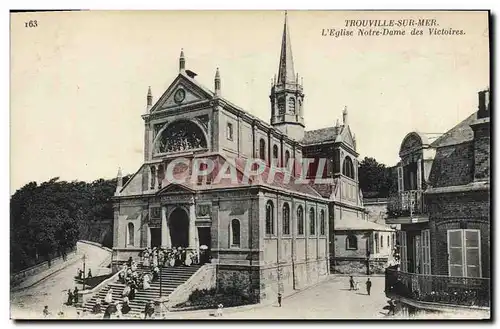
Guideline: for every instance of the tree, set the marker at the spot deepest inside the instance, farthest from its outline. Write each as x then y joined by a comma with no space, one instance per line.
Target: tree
47,220
375,179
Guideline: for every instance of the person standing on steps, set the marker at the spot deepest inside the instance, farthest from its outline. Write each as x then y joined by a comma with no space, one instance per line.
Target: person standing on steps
368,286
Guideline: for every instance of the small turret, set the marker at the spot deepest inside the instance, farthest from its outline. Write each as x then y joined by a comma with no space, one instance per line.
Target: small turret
149,100
217,83
344,116
182,62
119,182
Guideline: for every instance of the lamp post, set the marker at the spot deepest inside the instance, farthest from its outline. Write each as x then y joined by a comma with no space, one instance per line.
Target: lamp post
84,258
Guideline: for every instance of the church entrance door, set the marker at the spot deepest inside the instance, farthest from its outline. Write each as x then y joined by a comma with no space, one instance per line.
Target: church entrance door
155,237
179,228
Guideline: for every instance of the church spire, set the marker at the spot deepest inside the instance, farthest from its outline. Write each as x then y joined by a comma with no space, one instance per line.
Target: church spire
286,73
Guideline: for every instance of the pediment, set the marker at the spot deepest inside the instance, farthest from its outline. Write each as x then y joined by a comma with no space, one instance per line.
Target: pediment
175,188
182,91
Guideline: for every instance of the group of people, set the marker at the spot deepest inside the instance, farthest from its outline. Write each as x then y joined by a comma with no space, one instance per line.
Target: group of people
176,256
80,274
72,297
354,285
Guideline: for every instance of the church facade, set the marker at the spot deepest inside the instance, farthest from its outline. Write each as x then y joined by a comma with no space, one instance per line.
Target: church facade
269,234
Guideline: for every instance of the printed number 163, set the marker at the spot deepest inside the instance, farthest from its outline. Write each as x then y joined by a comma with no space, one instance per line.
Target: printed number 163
31,24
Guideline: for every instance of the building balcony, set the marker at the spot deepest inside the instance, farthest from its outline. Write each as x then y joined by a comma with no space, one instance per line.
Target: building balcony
409,204
437,292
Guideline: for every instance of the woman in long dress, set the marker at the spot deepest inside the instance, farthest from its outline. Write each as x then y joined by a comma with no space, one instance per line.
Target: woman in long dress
145,262
188,260
145,282
109,296
126,291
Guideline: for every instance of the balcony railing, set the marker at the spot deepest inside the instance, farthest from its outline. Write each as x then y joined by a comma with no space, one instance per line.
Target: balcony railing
438,288
406,203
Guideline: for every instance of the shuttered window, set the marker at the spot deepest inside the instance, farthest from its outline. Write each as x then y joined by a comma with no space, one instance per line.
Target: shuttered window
426,252
464,253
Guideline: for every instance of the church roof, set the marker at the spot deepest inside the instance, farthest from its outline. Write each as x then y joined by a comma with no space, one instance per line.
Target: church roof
328,134
279,180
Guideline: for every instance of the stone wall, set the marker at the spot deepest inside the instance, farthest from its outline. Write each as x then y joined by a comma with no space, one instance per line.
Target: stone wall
204,278
358,266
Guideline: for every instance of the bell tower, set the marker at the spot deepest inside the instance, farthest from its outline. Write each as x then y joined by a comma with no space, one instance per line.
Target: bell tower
286,93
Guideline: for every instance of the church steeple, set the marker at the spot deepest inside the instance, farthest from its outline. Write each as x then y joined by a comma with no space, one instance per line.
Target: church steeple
286,73
286,92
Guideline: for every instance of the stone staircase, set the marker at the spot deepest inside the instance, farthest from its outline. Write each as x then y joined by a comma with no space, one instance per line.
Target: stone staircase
171,277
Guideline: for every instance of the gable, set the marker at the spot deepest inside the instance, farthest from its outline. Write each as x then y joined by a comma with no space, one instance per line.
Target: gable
346,137
182,91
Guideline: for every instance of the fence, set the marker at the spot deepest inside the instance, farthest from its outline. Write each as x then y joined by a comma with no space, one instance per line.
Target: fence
438,288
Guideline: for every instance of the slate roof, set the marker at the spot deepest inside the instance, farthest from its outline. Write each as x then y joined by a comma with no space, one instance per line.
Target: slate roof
328,134
278,182
461,133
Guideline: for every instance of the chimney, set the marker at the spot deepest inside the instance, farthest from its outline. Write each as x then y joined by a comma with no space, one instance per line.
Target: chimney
484,104
482,136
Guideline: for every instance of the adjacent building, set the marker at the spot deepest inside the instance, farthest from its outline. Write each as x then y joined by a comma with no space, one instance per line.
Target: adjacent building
443,206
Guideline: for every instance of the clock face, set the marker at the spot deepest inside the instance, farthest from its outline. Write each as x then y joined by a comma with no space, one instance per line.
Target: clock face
179,96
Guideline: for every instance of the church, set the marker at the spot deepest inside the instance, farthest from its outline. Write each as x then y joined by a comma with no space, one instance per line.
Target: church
267,236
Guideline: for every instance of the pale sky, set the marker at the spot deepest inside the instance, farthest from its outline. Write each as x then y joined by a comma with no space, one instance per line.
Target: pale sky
79,80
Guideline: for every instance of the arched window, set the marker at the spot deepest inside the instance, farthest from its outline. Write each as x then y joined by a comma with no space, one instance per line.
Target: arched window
351,242
130,228
287,157
312,222
376,243
181,135
322,224
269,218
235,233
286,219
262,149
348,168
275,155
381,241
388,241
300,221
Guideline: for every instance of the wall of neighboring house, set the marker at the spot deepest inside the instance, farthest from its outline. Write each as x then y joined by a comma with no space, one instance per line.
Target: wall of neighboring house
351,251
